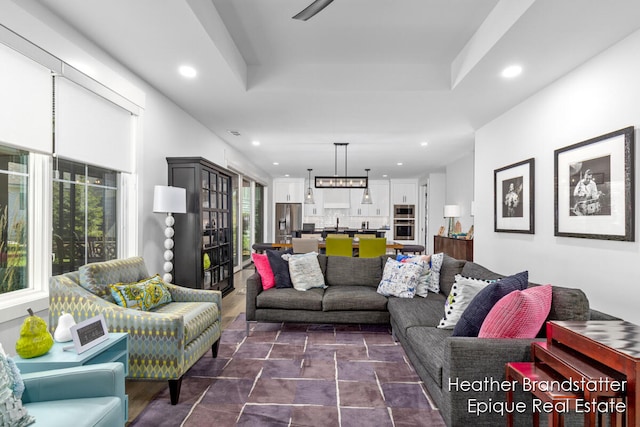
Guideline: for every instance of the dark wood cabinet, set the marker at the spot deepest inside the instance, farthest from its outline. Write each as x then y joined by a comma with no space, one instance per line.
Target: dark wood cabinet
203,250
457,248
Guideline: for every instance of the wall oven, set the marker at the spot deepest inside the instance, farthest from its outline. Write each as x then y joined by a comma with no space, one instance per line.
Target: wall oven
404,229
404,211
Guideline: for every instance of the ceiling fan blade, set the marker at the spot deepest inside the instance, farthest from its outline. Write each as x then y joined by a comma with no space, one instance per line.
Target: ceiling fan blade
312,9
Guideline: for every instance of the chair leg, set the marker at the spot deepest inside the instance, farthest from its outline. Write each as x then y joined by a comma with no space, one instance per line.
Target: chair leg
214,348
247,333
174,390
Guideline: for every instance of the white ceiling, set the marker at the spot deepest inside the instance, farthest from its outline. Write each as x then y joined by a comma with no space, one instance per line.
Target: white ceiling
382,75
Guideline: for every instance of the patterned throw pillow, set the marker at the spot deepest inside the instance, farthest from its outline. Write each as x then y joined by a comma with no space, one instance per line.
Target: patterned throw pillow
520,314
472,318
12,413
462,293
400,279
264,270
305,272
424,281
436,265
143,295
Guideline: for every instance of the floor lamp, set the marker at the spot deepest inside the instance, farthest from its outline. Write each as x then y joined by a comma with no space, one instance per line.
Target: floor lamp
169,200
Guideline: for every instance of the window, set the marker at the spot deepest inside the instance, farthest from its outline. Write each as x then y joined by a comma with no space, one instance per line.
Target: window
14,185
84,215
258,212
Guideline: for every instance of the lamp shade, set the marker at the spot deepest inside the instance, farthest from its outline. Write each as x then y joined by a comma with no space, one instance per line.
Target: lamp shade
451,211
169,199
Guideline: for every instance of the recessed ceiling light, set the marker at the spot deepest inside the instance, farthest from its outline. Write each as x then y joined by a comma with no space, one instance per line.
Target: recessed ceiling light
512,71
276,163
187,71
385,175
399,163
424,143
255,143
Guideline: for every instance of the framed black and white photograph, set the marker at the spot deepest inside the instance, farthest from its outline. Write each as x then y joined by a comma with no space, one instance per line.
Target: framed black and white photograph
514,198
594,189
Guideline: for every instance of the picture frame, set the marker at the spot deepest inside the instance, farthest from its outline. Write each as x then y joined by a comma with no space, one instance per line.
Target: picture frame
514,199
89,333
594,187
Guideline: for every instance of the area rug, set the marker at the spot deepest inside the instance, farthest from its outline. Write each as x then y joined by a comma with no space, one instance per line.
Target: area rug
287,374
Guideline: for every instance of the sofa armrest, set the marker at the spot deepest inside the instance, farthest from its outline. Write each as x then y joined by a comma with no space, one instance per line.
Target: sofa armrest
254,287
104,379
182,294
478,359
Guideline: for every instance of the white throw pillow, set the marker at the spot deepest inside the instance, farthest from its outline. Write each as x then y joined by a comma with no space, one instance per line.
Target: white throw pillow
462,292
305,271
424,280
400,279
436,265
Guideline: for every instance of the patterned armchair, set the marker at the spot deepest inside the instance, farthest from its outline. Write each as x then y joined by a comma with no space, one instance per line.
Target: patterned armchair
163,342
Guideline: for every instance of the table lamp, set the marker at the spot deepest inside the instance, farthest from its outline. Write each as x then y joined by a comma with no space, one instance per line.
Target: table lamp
169,200
451,212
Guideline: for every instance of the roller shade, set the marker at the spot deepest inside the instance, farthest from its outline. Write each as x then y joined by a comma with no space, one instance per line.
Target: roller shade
92,130
26,95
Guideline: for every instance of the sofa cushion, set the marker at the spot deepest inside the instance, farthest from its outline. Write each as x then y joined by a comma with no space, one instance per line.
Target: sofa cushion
143,295
280,268
305,271
96,276
428,345
400,279
462,293
568,304
353,298
450,267
472,318
197,316
435,264
416,311
90,411
351,271
519,314
471,269
424,281
291,299
264,270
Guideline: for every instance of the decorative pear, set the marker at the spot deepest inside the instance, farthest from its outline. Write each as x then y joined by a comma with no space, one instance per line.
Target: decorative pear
35,340
63,331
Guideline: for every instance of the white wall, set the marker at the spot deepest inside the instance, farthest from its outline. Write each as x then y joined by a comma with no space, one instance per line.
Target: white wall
599,97
460,182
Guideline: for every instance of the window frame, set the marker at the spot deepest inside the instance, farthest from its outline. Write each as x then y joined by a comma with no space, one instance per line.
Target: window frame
14,305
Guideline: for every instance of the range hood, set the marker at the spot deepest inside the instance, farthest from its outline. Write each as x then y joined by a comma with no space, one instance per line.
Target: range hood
334,198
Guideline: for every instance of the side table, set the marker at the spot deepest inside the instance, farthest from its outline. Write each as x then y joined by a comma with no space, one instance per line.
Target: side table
115,349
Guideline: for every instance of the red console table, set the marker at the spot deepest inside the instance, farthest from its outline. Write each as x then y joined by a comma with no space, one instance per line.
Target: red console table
614,344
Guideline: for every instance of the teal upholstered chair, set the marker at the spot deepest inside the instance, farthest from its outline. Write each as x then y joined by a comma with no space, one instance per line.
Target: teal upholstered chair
338,246
90,395
372,248
163,342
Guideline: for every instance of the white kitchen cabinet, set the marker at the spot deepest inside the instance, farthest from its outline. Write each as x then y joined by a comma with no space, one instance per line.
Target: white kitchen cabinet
404,192
288,190
380,195
357,208
316,208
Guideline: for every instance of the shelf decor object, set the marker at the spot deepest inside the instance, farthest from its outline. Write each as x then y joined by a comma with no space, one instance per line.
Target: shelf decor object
451,212
594,187
308,196
514,198
169,200
366,195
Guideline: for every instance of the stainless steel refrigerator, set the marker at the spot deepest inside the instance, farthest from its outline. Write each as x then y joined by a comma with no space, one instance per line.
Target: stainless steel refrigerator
288,220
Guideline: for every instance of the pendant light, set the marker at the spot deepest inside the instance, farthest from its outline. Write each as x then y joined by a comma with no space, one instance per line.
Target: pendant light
308,197
366,196
341,181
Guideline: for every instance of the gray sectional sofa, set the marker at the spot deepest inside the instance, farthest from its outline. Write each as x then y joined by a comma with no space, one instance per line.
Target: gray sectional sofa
441,360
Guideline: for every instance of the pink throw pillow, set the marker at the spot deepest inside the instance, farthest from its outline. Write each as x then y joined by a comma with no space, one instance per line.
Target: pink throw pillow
264,270
519,314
